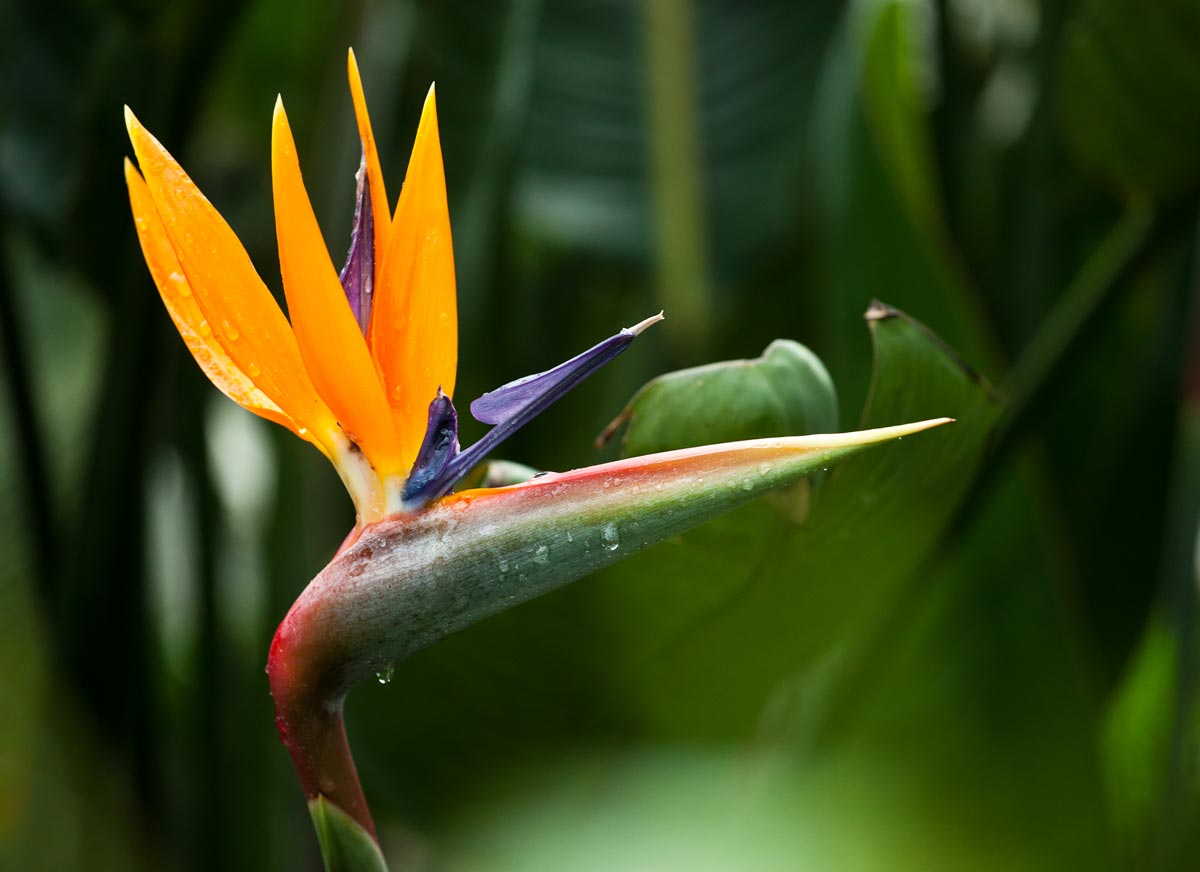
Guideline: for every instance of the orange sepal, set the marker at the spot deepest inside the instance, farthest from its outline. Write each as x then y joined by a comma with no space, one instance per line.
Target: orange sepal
380,207
414,323
181,305
247,322
330,341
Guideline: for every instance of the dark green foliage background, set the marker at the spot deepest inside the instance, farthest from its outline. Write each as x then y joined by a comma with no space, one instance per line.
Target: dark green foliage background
1002,674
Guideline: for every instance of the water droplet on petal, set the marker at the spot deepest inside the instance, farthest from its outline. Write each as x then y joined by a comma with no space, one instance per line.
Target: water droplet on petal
253,369
542,555
611,538
231,332
205,328
503,565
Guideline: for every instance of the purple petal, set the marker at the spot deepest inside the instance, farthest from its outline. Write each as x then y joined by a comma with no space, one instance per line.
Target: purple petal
438,449
358,275
542,389
510,407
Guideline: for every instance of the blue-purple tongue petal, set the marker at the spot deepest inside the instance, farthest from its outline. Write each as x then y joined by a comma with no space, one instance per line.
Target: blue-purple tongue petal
438,449
509,408
542,389
358,275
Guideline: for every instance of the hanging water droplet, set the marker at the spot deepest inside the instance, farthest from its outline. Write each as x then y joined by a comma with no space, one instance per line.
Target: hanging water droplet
542,555
384,675
611,538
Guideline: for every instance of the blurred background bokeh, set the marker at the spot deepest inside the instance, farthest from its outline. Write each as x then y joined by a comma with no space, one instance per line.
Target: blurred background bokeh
1008,682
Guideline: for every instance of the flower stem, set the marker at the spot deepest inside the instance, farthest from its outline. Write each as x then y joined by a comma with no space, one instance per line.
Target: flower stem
312,728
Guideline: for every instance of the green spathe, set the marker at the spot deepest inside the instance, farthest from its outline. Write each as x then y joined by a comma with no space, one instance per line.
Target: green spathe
413,579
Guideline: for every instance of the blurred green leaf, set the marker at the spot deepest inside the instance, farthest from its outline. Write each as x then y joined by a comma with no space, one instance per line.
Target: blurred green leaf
1151,730
745,602
583,176
786,391
1129,88
715,810
892,86
881,209
1136,738
65,802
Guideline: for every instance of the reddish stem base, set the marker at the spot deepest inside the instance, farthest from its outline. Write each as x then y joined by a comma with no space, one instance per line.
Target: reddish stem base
314,732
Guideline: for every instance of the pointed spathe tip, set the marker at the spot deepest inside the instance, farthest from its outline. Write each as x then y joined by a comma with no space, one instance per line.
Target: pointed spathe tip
879,434
131,121
930,424
642,326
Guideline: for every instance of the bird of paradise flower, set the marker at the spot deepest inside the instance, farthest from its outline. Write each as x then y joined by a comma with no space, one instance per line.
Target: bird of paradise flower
366,368
365,371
